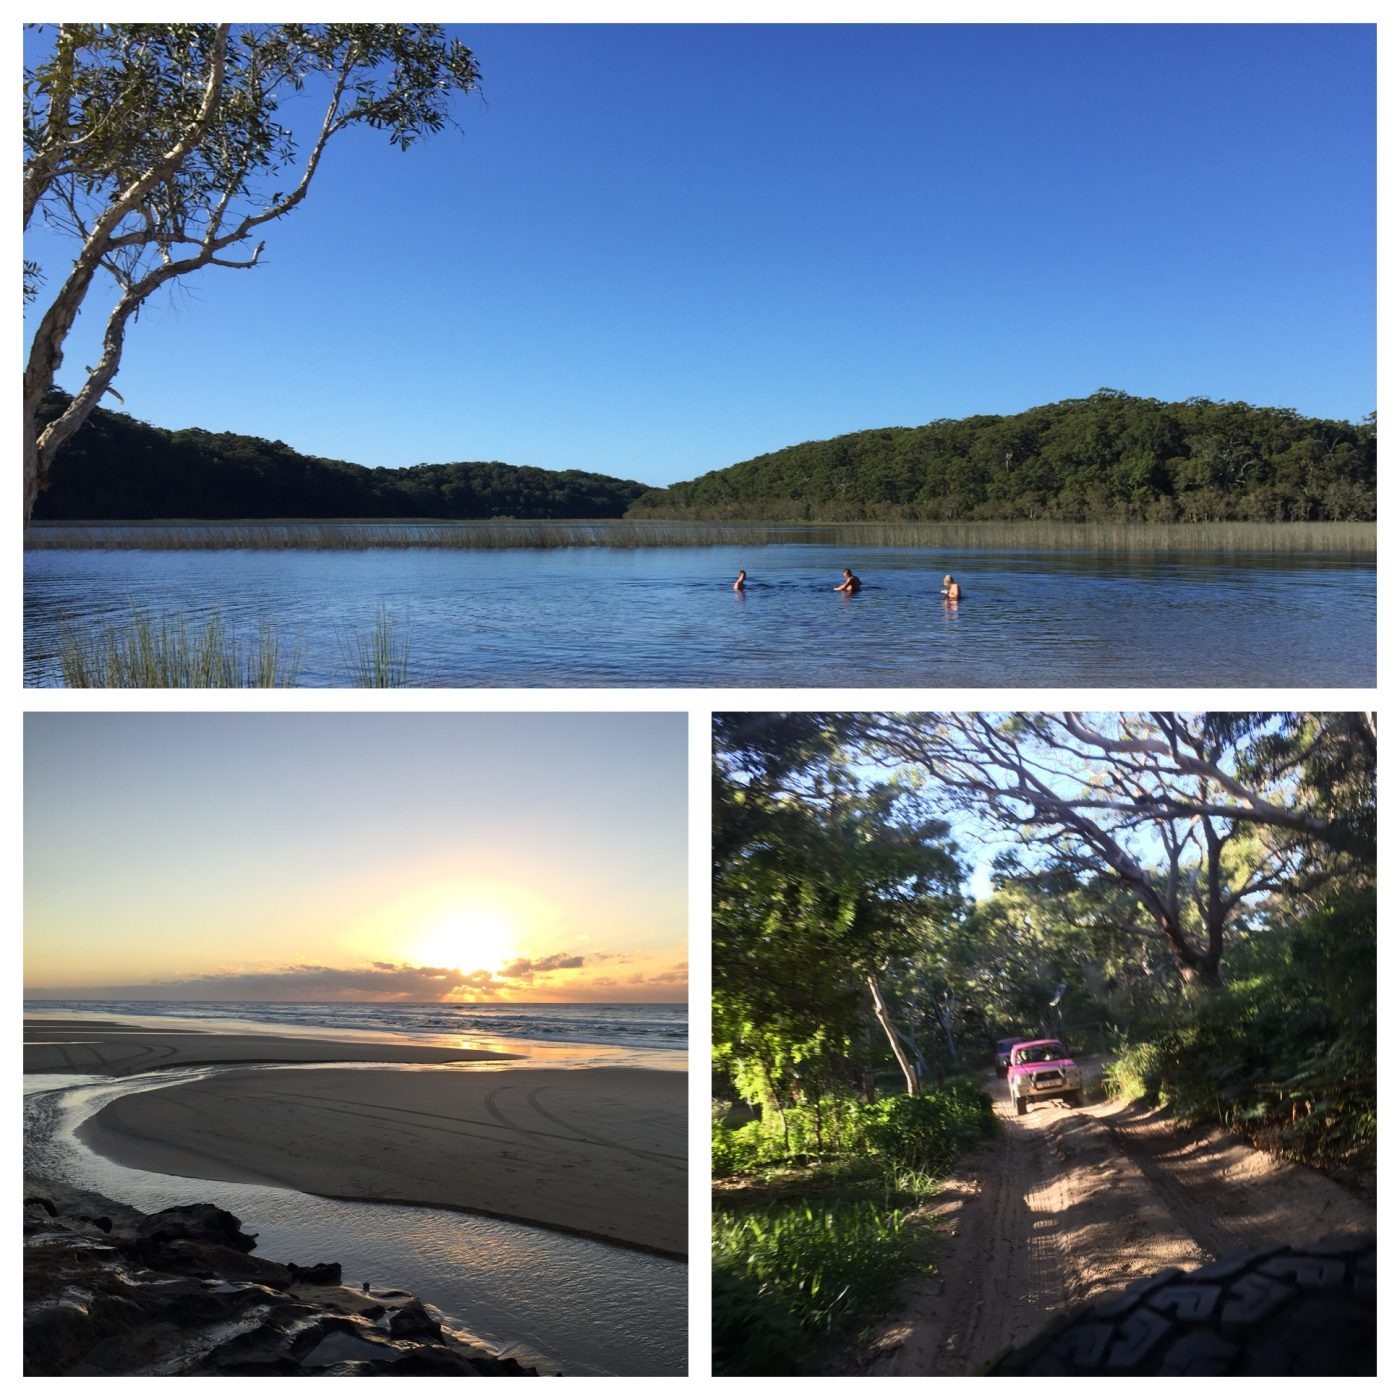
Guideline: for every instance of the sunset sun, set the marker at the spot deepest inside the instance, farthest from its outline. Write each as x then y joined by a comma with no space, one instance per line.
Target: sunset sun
468,937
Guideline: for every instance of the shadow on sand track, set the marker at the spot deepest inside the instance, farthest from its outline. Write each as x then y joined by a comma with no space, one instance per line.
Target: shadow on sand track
1067,1205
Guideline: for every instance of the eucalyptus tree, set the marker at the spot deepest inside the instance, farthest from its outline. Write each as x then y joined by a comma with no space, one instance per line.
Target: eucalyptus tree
823,882
1199,818
162,149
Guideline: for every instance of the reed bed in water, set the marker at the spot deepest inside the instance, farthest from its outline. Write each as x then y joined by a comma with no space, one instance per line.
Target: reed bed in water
1351,537
393,534
168,653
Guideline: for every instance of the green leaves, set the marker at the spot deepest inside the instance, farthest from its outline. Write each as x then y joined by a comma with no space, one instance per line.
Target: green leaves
819,878
833,1267
1286,1051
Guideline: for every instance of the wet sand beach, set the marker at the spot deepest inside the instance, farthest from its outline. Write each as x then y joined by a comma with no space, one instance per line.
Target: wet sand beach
75,1046
597,1152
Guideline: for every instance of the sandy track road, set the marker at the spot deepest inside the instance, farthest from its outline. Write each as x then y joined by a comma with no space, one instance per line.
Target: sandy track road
1064,1204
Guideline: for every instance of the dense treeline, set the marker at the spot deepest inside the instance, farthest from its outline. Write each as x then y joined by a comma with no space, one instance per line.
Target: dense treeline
118,468
1109,457
1106,458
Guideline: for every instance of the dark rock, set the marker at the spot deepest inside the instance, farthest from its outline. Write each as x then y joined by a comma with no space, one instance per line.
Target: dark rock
326,1324
273,1366
336,1351
205,1224
431,1361
158,1296
501,1366
196,1259
211,1305
42,1225
413,1321
292,1317
59,1333
259,1344
111,1292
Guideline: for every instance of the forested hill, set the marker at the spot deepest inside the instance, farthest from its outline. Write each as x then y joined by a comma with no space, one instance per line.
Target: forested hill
117,468
1108,457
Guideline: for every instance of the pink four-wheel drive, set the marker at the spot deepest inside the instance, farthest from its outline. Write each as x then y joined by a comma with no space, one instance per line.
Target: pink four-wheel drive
1043,1069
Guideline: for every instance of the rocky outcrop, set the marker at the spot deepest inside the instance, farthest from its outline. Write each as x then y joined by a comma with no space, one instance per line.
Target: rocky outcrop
111,1292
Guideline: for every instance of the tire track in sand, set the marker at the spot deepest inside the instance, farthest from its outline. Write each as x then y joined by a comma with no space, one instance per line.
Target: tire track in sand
1050,1215
1003,1270
673,1161
1068,1204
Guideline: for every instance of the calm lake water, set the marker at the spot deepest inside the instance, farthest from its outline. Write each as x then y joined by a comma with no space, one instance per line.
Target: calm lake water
666,616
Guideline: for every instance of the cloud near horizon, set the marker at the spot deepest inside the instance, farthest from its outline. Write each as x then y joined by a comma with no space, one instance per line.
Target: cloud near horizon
376,981
527,968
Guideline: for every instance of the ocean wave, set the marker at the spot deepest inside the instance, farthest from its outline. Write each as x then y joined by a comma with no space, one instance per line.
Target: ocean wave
652,1026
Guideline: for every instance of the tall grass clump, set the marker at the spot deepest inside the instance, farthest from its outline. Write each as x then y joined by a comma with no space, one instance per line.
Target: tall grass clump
167,653
803,1270
380,661
818,1220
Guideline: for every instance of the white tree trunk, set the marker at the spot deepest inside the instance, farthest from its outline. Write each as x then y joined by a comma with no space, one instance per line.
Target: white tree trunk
882,1015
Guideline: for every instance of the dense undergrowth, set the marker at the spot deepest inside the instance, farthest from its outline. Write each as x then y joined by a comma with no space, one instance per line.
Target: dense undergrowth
1285,1052
811,1246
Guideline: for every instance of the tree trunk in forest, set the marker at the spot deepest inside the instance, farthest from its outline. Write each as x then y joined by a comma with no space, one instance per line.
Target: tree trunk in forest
945,1020
1204,976
775,1099
882,1015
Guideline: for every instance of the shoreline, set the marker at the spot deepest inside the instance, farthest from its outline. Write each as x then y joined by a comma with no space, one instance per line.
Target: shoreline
160,1019
119,1049
550,1139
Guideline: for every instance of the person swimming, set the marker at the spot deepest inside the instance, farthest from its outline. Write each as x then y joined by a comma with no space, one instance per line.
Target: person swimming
739,582
849,584
952,590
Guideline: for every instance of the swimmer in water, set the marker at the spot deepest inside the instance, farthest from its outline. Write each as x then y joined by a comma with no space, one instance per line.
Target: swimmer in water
952,590
739,582
849,584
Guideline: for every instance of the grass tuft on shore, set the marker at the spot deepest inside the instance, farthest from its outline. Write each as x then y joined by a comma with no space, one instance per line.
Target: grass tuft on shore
166,653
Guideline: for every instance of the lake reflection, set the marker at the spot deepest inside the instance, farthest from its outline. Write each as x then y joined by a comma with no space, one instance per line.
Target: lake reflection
667,616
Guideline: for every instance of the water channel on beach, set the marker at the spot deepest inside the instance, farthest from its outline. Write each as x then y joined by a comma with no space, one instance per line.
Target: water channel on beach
561,1303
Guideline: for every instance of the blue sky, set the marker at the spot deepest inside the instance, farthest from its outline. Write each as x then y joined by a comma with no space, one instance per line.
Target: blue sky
655,251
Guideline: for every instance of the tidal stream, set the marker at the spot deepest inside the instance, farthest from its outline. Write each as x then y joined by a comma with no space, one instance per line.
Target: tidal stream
554,1301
